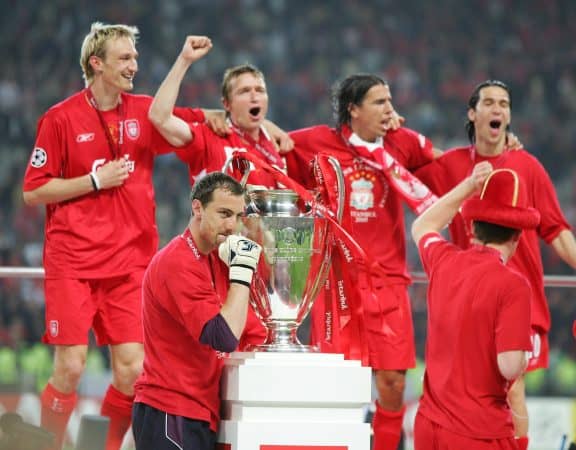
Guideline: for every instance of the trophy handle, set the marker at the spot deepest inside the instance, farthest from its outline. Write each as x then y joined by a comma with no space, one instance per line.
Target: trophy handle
243,164
341,187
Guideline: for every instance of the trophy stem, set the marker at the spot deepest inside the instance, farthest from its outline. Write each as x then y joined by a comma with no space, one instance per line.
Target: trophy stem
282,338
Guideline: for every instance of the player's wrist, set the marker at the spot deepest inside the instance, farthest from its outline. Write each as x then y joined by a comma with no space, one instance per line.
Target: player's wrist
241,275
95,181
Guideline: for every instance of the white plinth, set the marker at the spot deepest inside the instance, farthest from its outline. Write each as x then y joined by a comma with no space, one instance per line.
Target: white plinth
294,401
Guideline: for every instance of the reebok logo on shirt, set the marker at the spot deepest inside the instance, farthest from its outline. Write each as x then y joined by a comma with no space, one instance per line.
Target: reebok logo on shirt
85,137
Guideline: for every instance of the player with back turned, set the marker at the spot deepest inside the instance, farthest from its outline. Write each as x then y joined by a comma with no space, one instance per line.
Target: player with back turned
489,118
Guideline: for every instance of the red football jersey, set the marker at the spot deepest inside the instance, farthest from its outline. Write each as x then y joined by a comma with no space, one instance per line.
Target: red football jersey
182,290
477,308
208,152
446,172
105,233
376,209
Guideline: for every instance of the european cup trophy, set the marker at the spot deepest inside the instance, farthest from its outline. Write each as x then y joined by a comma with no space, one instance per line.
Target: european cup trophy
296,249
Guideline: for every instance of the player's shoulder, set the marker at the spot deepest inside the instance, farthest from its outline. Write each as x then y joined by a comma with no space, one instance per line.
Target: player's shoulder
458,152
511,278
64,107
178,257
168,260
508,274
313,130
402,132
137,99
406,133
455,156
525,156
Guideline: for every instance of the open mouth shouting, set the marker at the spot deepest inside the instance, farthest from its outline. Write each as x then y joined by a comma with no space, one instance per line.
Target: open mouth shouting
495,126
255,112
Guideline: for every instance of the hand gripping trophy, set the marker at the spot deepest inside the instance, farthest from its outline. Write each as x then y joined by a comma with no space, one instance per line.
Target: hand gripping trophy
296,241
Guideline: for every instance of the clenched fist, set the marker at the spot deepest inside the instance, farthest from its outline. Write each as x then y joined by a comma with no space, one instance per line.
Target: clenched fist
195,47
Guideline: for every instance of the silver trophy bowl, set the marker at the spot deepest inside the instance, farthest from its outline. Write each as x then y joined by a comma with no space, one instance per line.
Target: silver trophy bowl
295,262
293,267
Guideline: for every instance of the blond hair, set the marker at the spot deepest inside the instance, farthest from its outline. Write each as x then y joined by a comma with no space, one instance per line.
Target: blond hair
95,44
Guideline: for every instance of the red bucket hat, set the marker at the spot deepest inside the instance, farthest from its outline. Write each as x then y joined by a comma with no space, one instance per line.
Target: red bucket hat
502,202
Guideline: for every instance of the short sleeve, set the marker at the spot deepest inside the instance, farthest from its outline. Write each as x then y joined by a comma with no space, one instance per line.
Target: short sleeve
513,320
432,247
195,298
47,158
412,149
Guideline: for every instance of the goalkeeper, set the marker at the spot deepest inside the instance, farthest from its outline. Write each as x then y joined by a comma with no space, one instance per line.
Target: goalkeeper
195,301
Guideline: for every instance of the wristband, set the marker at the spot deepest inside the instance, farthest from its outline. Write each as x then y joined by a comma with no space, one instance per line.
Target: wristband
95,181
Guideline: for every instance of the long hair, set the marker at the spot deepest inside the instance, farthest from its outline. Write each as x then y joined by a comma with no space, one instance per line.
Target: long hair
473,101
351,91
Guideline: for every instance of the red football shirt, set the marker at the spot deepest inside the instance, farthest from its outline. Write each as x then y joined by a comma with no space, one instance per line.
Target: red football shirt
376,209
182,290
208,152
105,233
446,172
477,308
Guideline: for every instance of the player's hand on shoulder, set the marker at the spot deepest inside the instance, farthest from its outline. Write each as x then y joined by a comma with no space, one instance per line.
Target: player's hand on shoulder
281,139
195,47
396,121
216,121
241,255
513,142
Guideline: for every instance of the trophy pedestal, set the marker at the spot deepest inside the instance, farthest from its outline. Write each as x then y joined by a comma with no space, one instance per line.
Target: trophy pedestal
294,401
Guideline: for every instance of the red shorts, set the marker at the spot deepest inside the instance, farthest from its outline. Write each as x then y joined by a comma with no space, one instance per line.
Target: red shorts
112,307
538,357
430,436
391,349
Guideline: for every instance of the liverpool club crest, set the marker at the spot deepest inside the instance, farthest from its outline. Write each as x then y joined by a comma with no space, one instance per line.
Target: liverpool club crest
362,195
132,129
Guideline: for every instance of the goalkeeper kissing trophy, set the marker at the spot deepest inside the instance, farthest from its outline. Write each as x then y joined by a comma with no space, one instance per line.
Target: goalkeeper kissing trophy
296,249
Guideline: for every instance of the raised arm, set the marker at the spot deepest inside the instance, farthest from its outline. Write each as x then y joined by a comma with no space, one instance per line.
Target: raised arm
175,130
435,218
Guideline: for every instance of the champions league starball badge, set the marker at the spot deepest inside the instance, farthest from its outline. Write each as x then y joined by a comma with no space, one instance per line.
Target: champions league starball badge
39,157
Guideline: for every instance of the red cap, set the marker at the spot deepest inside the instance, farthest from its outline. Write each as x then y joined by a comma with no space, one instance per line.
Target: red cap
503,202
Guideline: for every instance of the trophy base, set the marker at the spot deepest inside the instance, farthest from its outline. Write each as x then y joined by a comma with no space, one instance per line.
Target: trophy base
282,339
285,348
296,401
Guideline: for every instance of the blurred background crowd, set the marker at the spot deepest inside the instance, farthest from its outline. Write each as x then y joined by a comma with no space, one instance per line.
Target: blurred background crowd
432,54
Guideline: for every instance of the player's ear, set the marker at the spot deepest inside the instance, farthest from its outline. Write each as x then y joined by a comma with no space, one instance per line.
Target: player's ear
471,115
352,110
225,104
197,208
96,63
